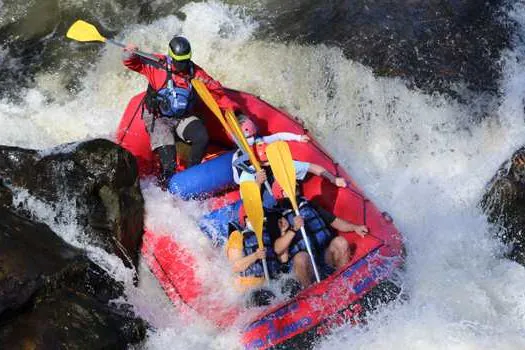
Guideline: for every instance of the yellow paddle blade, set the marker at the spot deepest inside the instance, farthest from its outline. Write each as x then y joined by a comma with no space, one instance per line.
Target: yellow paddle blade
283,169
208,99
84,31
236,128
251,198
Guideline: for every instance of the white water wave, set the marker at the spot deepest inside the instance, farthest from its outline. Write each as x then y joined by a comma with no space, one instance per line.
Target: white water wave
420,157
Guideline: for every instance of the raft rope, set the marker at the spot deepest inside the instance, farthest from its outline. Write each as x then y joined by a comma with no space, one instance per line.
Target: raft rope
141,105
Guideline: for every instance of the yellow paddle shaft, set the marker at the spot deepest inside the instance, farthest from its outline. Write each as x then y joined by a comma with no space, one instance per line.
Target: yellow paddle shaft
230,117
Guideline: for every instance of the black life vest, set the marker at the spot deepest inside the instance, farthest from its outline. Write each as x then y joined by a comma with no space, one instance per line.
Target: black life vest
250,246
318,232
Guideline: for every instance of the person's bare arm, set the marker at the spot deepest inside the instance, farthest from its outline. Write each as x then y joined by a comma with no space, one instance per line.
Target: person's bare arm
240,262
321,171
345,226
282,243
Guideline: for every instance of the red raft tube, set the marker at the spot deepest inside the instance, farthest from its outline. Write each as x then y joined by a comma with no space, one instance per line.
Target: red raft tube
344,297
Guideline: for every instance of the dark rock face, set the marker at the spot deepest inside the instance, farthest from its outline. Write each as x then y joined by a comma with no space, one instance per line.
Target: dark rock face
96,180
433,44
34,35
6,198
52,296
504,204
73,321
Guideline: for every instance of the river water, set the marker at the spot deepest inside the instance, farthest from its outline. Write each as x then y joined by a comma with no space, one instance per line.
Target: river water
419,156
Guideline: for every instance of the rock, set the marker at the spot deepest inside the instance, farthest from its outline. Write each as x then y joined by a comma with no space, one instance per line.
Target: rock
94,183
52,296
33,257
504,204
69,320
6,197
32,36
434,44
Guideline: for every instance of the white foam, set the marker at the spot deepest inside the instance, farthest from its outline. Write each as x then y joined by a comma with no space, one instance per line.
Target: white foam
423,158
60,217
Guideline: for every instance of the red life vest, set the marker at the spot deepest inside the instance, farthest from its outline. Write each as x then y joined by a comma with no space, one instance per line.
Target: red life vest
259,149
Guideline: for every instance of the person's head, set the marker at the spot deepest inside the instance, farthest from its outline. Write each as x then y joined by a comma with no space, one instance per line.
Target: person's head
278,191
248,127
283,224
180,52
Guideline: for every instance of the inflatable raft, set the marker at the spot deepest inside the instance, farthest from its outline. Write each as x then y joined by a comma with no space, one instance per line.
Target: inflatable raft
344,297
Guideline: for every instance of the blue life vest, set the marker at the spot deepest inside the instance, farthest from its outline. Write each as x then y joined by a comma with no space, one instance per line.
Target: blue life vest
241,163
174,101
250,246
318,232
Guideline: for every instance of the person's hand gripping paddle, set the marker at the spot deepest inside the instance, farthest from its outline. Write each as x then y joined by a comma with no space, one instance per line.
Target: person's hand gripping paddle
251,198
236,128
283,169
85,32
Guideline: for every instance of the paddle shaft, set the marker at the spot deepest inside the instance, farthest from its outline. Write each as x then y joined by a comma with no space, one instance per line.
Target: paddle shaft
309,249
246,149
251,198
138,52
208,99
283,169
266,274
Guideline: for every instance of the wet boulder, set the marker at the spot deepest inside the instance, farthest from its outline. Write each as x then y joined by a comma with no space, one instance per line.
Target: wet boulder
68,320
93,183
6,197
433,44
52,296
504,204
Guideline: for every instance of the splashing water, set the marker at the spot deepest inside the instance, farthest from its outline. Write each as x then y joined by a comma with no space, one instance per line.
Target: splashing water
422,157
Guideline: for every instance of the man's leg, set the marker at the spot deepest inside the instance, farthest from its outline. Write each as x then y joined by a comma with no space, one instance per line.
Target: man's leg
192,130
167,156
338,252
302,267
163,144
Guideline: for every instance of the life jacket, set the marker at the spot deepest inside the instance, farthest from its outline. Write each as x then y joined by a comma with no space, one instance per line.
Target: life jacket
250,246
241,162
318,232
174,99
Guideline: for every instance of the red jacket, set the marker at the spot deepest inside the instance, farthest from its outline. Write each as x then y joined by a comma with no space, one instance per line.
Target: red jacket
157,77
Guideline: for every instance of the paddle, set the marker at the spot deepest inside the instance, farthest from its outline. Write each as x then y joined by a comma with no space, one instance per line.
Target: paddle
283,169
234,124
230,124
251,198
85,32
208,99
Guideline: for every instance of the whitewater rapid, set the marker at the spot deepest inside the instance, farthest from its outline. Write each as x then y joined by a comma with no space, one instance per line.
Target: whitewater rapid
423,158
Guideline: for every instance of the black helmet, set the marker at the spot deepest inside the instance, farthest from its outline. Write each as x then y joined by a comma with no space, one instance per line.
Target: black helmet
180,49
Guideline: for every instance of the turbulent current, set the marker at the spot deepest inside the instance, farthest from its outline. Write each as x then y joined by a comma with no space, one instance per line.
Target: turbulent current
423,157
